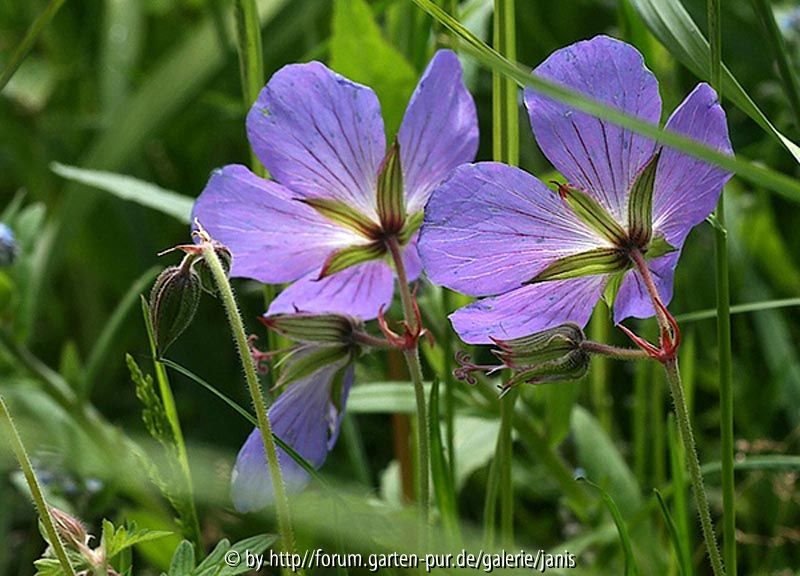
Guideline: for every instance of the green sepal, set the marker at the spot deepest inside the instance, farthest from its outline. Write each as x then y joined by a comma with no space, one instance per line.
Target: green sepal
173,303
571,366
658,246
640,203
391,197
341,213
591,262
612,287
305,362
350,256
412,224
540,347
591,212
321,329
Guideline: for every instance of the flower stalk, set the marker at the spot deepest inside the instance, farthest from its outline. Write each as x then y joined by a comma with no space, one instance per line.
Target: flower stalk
240,336
411,354
36,490
667,355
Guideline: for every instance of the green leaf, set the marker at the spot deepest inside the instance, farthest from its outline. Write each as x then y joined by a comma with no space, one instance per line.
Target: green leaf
640,203
351,256
593,214
669,21
341,213
115,540
131,189
391,196
630,562
214,564
596,261
677,545
383,398
360,52
183,560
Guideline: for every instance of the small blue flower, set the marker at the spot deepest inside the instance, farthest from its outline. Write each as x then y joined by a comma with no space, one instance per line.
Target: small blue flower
8,246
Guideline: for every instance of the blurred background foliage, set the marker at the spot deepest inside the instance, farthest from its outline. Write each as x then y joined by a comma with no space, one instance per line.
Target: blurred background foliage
151,88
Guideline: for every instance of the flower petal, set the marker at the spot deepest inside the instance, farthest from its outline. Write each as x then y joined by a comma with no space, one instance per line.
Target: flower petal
687,189
591,153
306,418
491,227
358,291
319,134
439,129
273,237
529,309
632,298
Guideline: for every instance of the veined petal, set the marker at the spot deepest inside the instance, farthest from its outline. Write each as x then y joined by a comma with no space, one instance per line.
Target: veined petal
307,418
320,135
490,227
272,236
598,156
687,189
529,309
358,291
632,298
439,129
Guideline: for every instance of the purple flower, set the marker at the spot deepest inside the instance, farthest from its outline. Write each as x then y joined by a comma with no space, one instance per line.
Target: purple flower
307,416
319,224
543,258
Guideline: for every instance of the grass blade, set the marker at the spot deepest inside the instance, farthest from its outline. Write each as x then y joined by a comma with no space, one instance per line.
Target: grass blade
28,41
443,485
758,175
680,550
740,309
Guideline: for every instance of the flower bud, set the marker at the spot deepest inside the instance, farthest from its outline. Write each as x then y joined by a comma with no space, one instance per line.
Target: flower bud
173,303
321,329
69,529
204,272
540,347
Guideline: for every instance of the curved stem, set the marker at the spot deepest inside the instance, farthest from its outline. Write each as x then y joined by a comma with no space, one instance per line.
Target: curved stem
36,491
237,327
684,424
415,371
614,352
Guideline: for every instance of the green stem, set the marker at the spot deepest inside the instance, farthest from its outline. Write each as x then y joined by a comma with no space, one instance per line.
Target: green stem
725,374
251,60
36,491
192,523
600,330
449,350
687,437
504,455
237,327
415,371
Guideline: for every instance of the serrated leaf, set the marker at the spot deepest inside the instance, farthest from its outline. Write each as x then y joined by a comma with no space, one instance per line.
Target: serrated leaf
391,196
115,540
344,214
255,544
351,256
48,567
640,203
183,560
132,189
591,262
360,52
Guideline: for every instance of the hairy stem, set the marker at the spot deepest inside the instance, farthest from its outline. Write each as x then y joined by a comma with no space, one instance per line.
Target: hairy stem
415,371
614,352
237,327
684,424
36,490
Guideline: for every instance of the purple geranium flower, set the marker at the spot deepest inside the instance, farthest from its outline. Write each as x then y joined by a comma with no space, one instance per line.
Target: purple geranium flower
319,224
307,416
493,230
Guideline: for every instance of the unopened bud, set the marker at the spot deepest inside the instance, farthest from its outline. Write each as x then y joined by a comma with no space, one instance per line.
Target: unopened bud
207,282
540,347
570,366
320,329
69,529
173,303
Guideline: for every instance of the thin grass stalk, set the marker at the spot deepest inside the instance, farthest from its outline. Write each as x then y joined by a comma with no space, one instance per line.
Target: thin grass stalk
36,490
600,331
725,374
505,148
251,60
240,337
